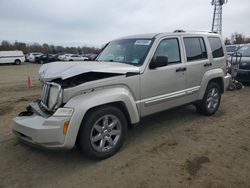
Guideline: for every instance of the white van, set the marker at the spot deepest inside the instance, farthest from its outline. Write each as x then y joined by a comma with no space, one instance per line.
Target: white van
16,57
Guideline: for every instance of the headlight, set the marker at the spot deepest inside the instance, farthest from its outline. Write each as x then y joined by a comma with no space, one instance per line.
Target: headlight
51,96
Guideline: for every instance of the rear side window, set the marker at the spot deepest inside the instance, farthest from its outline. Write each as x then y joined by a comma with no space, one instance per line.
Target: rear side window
169,48
195,48
216,47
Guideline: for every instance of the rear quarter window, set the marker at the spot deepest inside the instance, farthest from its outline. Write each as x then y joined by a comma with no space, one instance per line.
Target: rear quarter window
216,47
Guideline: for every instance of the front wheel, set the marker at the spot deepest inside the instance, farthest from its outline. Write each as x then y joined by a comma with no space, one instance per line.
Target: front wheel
211,100
102,132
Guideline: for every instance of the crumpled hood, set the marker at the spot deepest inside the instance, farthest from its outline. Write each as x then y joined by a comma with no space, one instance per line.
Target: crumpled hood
64,70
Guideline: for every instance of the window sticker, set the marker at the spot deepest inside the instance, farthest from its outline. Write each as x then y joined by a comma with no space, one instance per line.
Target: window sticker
143,42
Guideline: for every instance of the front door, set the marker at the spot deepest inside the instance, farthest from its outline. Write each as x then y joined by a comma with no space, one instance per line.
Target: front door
164,87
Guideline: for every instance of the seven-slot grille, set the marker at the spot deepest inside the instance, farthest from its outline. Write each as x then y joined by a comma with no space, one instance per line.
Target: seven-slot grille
45,94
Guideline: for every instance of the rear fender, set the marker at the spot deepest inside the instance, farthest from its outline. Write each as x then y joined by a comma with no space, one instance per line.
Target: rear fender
209,75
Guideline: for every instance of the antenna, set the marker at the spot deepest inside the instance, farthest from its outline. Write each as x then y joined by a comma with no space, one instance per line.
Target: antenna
217,16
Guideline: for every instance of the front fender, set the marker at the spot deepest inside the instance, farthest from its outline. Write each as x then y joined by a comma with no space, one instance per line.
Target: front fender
209,75
82,103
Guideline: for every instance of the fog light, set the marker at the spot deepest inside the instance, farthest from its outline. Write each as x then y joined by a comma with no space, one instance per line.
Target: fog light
65,127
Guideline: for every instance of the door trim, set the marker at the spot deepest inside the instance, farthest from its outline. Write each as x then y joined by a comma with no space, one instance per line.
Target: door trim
166,97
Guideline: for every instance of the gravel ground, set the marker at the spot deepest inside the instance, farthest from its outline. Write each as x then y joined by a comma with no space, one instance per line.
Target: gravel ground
175,148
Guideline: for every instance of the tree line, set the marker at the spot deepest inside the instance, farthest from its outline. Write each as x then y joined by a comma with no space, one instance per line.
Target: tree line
45,48
237,38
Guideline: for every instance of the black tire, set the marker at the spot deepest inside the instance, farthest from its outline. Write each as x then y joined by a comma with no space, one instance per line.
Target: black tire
87,127
238,85
71,60
202,106
17,62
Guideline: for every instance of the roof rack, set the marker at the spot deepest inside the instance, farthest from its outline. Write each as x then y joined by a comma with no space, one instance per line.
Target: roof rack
179,31
213,32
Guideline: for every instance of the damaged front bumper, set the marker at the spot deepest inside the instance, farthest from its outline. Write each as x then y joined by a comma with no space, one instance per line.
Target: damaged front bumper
36,127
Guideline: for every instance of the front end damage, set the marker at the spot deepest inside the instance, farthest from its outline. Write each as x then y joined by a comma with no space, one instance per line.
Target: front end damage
46,121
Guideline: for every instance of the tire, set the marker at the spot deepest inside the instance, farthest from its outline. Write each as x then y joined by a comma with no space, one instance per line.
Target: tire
211,100
17,62
238,85
71,60
102,132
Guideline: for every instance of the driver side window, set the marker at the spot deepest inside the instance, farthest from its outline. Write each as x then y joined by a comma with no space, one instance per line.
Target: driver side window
169,48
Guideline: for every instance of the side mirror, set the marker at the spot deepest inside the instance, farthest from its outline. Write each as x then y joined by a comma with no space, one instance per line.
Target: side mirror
159,61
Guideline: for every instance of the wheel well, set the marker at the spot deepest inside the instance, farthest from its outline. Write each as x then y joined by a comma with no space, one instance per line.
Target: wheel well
220,82
17,60
119,104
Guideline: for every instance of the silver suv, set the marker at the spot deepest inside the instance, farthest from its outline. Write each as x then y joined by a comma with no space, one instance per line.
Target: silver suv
91,104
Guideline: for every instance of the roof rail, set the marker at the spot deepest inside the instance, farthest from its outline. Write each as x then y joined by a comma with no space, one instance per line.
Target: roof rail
213,32
179,31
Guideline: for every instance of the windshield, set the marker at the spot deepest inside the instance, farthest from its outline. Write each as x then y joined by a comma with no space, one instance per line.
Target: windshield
130,51
245,51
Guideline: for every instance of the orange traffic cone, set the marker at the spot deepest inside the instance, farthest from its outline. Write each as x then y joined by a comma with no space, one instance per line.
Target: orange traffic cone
29,82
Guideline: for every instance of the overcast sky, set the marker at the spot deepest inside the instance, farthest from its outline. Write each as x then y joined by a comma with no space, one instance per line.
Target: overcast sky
95,22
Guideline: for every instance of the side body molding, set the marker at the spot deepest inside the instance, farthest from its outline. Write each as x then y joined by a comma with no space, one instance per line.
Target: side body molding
82,103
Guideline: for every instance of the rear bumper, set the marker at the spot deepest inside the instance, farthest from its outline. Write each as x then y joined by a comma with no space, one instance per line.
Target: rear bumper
38,131
226,81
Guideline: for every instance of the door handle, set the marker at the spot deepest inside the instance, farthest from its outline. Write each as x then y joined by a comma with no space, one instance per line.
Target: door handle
207,64
181,69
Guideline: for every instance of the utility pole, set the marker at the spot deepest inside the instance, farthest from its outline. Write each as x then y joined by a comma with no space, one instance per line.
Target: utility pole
217,15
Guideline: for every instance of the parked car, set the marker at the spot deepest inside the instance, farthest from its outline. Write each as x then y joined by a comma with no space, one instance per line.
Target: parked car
243,74
61,57
93,103
15,57
32,56
231,49
91,56
74,57
46,58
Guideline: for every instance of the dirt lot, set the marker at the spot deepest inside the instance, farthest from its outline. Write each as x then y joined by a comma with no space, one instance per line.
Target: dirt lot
176,148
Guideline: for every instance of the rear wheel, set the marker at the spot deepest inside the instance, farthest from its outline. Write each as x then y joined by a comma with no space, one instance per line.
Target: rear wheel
103,132
17,62
211,100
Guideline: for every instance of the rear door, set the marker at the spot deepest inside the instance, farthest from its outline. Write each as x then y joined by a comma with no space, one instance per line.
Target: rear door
197,63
